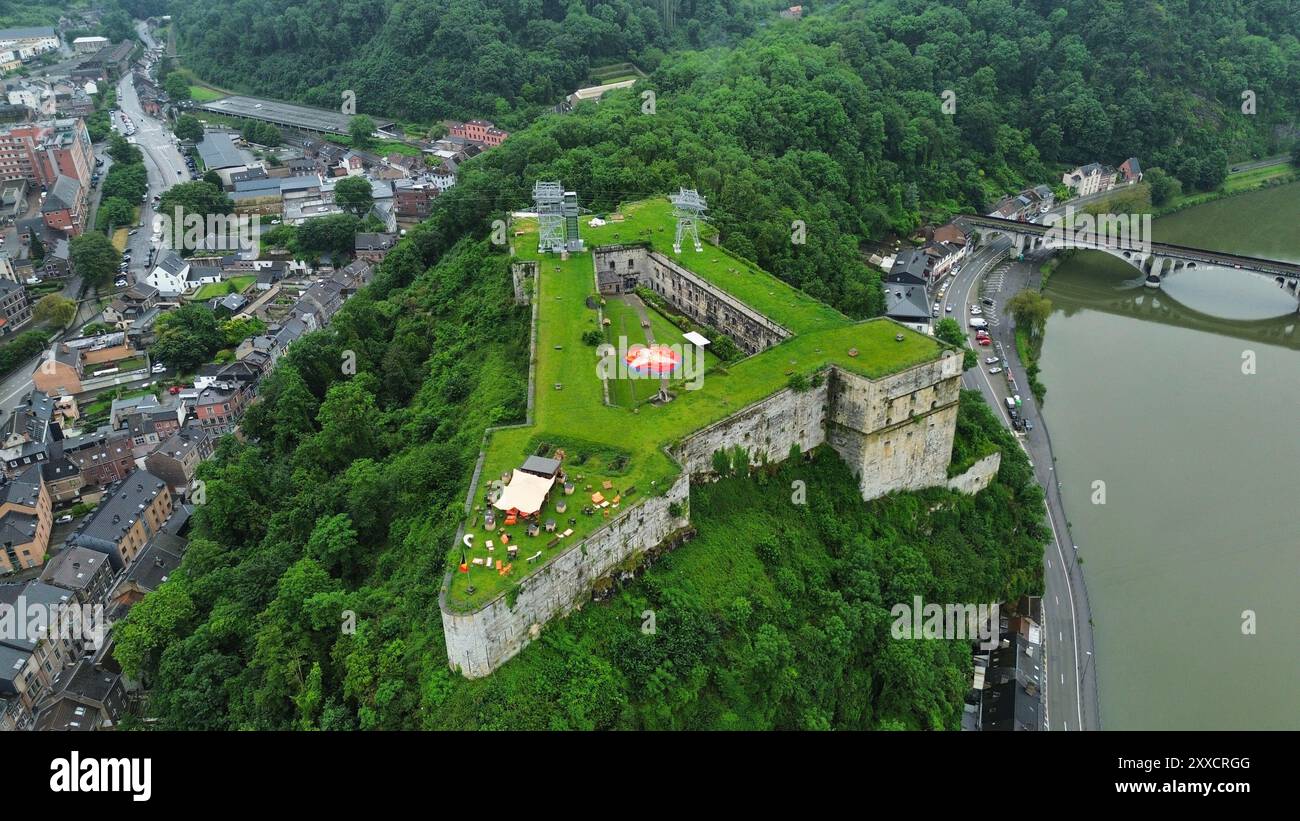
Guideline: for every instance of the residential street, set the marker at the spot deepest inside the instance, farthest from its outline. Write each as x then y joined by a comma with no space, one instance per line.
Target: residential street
162,161
1066,612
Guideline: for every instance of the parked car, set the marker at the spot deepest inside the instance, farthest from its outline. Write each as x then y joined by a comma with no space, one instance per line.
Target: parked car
158,367
174,389
984,340
995,370
64,519
987,301
991,360
975,310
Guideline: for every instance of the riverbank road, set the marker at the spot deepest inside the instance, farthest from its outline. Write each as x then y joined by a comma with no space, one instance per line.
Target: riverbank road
1071,694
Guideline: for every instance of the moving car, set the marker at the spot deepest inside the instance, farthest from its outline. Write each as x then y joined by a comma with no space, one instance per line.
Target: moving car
948,308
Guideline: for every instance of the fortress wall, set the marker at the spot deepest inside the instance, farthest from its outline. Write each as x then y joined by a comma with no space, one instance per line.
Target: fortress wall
481,641
895,433
768,427
978,476
622,268
709,305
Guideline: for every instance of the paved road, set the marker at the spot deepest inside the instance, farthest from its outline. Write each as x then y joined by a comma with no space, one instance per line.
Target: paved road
163,163
1070,668
1251,165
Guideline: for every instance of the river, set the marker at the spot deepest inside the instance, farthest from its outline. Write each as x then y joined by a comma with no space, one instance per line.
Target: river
1149,393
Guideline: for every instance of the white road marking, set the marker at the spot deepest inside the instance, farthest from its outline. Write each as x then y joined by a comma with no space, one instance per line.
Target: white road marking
1069,586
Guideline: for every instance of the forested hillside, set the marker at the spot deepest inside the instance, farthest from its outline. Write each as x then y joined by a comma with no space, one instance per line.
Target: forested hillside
349,490
834,120
427,59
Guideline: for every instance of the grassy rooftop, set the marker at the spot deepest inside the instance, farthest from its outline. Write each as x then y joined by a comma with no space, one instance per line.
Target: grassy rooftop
622,444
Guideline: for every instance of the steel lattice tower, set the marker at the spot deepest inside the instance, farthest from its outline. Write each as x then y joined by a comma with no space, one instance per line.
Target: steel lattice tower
548,200
689,207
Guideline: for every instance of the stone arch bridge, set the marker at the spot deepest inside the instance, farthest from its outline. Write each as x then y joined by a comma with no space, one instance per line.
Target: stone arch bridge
1155,260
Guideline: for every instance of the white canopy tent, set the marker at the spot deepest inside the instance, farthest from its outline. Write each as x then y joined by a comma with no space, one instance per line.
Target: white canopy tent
525,493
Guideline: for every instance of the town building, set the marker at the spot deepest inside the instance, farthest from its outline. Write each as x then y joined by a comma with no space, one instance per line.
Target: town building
479,131
40,152
15,310
83,697
373,248
89,45
127,516
25,520
29,42
155,563
177,458
102,457
64,208
1088,179
86,573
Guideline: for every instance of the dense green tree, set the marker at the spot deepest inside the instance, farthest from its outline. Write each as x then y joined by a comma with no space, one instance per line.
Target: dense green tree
186,337
262,133
361,129
354,194
115,211
122,152
177,87
1164,188
199,197
331,235
1030,309
126,182
188,127
93,257
55,309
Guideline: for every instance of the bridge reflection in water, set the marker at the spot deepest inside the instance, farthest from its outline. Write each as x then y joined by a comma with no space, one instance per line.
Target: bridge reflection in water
1127,297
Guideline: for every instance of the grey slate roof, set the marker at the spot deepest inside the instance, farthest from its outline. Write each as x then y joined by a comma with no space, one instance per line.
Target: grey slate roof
62,195
218,150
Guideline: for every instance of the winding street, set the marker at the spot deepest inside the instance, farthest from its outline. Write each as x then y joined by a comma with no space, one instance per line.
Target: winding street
1070,669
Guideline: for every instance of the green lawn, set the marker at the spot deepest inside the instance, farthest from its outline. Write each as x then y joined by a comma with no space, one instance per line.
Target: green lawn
203,94
123,365
215,289
625,445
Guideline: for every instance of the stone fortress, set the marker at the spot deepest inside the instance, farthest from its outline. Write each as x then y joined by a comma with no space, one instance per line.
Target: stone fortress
895,433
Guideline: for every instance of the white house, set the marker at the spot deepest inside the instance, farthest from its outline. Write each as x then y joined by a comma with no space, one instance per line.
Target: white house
170,275
1089,179
29,41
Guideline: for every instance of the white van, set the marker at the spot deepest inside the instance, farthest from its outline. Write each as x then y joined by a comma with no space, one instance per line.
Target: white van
976,322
